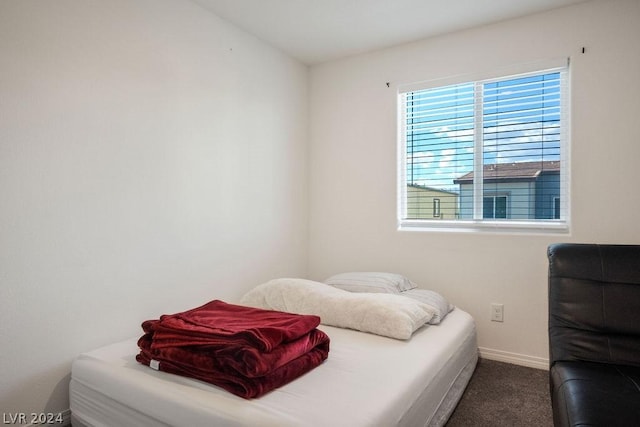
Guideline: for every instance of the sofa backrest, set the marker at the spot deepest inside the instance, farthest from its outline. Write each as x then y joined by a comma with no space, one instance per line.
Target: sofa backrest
594,303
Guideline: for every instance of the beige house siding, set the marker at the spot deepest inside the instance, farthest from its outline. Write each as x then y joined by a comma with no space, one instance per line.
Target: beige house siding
430,203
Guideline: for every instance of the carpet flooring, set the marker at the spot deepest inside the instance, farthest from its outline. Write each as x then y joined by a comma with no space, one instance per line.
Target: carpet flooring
503,394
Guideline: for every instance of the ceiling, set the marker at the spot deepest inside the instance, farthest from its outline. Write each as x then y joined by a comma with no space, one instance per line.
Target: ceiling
315,31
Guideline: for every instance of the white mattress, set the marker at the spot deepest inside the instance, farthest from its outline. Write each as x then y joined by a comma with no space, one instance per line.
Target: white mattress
368,380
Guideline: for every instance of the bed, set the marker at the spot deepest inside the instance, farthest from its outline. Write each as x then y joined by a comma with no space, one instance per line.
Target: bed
367,380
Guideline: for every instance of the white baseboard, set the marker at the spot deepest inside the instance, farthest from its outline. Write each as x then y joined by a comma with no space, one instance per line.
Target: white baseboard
514,358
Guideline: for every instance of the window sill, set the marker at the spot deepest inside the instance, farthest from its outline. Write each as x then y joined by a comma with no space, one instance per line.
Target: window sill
501,227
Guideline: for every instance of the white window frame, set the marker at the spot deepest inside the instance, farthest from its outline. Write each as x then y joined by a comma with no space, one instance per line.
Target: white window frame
478,224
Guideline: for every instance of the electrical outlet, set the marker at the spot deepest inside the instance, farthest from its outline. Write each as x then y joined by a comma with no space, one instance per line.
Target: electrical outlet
497,312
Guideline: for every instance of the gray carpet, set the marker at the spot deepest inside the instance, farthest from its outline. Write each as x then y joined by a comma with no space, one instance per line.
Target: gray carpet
502,394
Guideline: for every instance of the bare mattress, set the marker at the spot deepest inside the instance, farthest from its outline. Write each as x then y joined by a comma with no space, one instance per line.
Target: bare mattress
368,380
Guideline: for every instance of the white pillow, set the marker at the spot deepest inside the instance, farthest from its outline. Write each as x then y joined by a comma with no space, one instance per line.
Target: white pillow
388,283
392,316
432,298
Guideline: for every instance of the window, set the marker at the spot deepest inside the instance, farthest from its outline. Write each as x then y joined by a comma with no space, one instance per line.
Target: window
556,207
494,149
494,207
436,208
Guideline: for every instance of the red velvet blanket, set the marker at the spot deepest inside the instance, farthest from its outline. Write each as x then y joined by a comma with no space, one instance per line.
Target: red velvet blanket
217,322
247,351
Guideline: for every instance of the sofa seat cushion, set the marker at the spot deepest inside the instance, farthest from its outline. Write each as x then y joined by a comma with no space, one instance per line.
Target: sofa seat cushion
595,394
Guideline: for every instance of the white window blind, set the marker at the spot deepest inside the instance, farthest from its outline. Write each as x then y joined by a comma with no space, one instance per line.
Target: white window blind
493,152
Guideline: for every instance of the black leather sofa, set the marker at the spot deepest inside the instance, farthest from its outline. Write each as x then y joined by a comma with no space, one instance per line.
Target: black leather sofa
594,334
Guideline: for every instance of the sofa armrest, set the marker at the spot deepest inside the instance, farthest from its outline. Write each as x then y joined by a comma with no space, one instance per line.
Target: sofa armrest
594,303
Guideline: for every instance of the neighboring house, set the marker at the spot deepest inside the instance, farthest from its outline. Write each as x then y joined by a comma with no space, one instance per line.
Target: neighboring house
431,203
527,190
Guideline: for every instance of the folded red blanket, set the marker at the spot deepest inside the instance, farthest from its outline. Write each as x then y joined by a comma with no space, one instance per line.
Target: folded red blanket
247,351
220,323
199,365
239,359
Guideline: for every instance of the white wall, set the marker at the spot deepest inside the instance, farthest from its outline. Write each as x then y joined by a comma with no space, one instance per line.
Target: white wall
353,165
152,157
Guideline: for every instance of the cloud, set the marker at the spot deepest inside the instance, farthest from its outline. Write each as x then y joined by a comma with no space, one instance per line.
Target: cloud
446,157
421,158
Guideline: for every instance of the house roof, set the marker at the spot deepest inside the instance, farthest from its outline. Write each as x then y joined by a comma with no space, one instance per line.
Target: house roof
518,171
438,190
